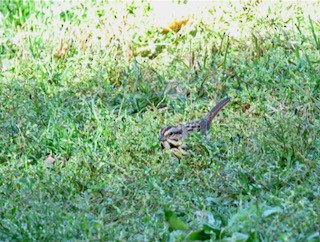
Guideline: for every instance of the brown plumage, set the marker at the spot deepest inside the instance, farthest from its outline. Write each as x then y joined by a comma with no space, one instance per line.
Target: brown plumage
173,137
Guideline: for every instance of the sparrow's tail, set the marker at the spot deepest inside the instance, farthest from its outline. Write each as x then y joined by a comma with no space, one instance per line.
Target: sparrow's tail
217,108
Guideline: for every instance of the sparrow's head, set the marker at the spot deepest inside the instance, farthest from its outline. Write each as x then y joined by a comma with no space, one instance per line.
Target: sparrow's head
170,133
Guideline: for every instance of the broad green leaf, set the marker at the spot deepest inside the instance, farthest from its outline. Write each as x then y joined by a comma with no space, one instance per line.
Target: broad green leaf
199,235
217,231
174,222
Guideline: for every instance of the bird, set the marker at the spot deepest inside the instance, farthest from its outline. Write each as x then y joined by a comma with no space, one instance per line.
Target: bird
174,137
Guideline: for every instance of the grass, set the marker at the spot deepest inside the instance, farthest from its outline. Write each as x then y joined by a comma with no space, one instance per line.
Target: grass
93,83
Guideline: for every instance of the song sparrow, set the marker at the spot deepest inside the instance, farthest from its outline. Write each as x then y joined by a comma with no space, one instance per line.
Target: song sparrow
173,137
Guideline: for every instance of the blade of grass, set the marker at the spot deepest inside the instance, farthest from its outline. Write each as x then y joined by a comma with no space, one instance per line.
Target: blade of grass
314,34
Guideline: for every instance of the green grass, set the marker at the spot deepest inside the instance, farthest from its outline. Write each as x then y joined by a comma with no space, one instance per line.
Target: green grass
93,83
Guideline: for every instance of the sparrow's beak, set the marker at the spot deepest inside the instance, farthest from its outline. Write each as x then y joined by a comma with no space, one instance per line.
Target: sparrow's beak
161,137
